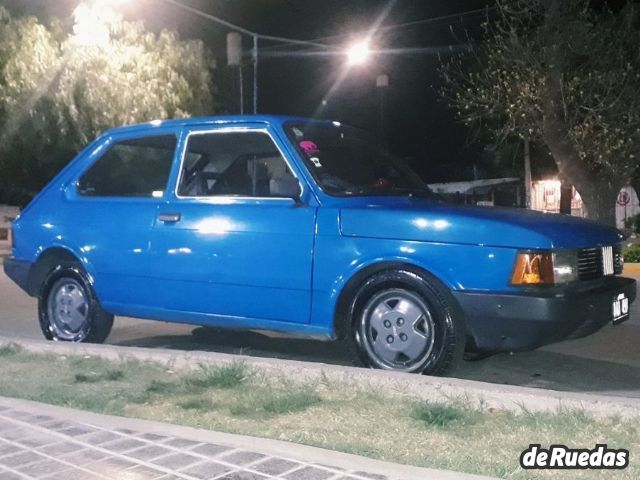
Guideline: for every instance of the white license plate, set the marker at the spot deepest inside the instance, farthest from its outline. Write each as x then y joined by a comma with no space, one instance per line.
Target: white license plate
620,308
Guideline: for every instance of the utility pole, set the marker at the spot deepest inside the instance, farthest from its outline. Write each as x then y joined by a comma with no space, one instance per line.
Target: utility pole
527,173
255,74
234,59
382,84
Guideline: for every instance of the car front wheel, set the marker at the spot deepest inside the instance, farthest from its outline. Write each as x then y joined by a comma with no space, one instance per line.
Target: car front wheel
404,321
68,309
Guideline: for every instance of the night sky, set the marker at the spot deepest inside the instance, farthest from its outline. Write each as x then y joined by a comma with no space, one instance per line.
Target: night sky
418,125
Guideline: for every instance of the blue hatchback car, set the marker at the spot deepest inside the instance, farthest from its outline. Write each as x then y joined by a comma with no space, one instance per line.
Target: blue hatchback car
305,227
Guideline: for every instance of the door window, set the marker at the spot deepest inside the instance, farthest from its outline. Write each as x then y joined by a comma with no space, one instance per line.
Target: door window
132,168
246,164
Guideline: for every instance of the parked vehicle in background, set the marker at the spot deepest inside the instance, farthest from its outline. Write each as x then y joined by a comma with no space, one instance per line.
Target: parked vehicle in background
309,228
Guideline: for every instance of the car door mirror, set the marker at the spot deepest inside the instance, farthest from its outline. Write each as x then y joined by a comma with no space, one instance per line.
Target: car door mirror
285,187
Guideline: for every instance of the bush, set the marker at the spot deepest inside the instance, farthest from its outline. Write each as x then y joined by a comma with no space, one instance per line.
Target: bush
632,254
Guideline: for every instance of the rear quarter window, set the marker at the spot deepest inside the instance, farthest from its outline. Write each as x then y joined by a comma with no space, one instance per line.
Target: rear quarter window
131,168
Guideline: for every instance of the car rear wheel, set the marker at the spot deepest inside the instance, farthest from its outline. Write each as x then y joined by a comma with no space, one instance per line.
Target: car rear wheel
404,321
68,309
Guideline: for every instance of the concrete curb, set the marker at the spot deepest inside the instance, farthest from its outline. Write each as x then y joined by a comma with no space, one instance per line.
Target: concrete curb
302,453
506,397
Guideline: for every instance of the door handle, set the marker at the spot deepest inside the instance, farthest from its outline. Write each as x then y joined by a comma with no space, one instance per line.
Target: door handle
169,217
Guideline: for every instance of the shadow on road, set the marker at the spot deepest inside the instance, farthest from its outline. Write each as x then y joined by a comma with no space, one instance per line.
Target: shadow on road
540,369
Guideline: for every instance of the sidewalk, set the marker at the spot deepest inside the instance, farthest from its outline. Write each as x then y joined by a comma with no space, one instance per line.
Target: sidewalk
39,441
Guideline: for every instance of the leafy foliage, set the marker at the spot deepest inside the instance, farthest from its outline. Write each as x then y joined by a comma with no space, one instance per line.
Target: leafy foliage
565,75
57,93
632,254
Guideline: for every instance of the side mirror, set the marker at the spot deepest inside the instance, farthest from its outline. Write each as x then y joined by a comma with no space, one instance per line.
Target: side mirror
285,187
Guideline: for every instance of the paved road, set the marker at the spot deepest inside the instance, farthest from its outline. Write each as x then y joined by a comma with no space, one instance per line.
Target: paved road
607,362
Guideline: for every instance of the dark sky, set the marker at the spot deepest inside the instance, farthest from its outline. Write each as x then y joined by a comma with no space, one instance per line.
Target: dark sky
418,124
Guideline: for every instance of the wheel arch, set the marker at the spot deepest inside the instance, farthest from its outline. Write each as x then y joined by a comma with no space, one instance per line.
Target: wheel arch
345,298
45,262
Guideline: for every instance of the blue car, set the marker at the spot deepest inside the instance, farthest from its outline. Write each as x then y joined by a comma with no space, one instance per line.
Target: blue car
305,227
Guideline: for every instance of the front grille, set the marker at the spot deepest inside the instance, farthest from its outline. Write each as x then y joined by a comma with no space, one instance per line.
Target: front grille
597,262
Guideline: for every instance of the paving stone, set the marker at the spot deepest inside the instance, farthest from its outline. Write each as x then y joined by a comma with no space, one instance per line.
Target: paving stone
16,434
21,458
152,437
206,470
149,452
37,439
38,419
120,446
58,425
3,407
372,476
73,474
210,450
171,477
176,461
309,473
243,476
84,456
275,466
99,438
126,431
110,466
8,449
4,426
142,472
61,448
40,469
242,457
181,443
76,431
5,475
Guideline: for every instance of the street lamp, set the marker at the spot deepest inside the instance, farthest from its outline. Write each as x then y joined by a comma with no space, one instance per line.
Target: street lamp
92,21
358,53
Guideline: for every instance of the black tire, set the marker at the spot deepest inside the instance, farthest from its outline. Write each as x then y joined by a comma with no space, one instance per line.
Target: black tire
442,326
95,328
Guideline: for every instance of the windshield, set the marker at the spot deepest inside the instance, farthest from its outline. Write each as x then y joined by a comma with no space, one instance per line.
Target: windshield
347,161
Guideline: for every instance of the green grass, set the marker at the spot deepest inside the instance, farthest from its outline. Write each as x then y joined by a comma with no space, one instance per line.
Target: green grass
434,414
390,426
10,349
220,376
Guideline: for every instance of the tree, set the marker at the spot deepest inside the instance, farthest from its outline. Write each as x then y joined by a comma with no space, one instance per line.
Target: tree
565,75
59,90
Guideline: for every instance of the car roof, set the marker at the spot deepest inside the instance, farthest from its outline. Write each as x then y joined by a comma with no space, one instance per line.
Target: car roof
218,120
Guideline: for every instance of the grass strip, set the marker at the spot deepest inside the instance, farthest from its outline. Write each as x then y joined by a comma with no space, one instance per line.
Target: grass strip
235,398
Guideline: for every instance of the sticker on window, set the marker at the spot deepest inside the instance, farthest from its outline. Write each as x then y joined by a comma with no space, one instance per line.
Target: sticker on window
309,147
316,162
298,133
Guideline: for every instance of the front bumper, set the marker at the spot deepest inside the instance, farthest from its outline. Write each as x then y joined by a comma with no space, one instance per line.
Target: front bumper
18,271
536,317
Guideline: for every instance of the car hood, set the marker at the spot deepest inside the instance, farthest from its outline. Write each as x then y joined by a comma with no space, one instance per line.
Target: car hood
432,221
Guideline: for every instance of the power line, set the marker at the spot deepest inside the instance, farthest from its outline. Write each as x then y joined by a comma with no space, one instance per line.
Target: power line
233,26
424,21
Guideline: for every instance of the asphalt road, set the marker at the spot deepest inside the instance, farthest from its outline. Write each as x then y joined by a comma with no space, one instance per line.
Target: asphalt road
606,362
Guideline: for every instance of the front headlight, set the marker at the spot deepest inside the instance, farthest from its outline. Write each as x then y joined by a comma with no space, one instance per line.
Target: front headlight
565,266
545,268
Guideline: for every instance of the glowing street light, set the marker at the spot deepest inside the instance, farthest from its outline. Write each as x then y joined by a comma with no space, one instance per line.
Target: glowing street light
358,53
93,19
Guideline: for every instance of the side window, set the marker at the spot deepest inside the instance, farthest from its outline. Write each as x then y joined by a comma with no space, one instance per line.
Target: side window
246,164
133,168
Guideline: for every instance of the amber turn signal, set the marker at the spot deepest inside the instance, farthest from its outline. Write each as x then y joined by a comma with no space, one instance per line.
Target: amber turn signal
533,269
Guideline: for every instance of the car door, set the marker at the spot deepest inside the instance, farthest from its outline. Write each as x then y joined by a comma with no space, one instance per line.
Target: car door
230,243
110,210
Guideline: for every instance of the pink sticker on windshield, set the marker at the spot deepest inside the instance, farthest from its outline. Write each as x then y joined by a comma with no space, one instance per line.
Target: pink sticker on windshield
309,147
